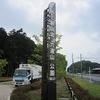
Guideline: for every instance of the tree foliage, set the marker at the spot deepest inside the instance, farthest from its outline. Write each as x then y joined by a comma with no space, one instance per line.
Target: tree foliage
3,63
3,38
36,57
61,64
82,66
58,40
16,47
20,47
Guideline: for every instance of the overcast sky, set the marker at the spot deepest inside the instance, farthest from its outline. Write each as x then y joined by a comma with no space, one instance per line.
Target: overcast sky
77,20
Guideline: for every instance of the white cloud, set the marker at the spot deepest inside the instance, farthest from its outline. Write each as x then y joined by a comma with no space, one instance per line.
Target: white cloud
33,8
30,7
68,11
67,18
76,44
94,35
81,4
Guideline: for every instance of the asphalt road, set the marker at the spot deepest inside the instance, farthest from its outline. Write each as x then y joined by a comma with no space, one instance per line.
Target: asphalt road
91,77
5,90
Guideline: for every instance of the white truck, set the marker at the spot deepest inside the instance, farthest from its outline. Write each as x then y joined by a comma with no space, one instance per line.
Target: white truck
26,73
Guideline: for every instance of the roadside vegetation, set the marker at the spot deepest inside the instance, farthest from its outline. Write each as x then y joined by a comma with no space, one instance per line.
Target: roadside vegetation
84,90
62,90
18,48
3,63
93,88
33,91
4,79
27,92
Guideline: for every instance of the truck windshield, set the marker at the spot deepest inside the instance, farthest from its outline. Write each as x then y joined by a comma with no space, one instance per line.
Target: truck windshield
21,72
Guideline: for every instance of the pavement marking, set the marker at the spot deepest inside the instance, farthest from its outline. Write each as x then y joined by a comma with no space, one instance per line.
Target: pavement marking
8,98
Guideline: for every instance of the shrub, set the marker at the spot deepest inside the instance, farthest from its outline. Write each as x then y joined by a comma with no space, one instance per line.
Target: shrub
19,96
20,93
4,79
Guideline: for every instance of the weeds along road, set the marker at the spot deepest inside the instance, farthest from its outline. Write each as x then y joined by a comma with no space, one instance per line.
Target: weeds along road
5,90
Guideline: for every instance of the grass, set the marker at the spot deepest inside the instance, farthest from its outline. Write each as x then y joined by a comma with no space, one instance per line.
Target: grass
93,88
33,92
62,90
27,92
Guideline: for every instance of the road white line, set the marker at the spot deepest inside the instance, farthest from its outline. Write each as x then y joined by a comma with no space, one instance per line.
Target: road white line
8,98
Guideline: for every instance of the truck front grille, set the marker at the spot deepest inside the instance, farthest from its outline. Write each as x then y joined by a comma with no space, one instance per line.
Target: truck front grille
19,80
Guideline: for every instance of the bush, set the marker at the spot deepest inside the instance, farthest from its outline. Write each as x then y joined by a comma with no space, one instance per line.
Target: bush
4,79
19,96
20,93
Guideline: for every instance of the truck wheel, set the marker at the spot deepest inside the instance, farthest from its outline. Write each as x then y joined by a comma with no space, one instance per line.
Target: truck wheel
31,81
16,85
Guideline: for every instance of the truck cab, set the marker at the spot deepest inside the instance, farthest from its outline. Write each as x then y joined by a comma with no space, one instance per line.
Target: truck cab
21,76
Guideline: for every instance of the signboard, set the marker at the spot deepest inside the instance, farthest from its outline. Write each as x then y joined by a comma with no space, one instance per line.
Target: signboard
49,53
51,40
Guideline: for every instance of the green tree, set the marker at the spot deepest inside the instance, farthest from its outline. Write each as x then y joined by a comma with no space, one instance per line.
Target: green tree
19,46
2,64
16,47
61,64
58,40
39,39
19,49
36,57
3,39
83,66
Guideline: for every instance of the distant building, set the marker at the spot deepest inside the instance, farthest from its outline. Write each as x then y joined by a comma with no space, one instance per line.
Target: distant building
95,71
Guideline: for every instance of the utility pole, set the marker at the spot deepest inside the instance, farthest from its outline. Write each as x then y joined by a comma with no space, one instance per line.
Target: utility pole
72,59
90,74
72,63
81,63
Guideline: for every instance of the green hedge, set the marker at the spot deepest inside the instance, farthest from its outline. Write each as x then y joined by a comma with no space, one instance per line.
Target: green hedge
20,93
4,79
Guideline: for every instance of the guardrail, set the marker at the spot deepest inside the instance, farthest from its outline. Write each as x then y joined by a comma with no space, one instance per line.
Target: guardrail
70,90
